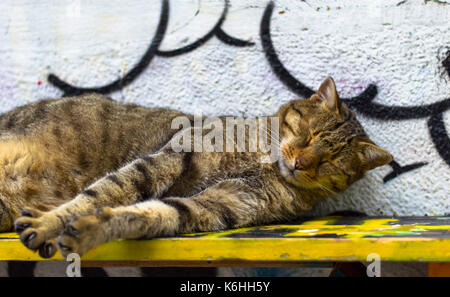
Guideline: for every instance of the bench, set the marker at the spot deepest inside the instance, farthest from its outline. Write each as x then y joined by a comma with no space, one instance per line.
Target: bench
316,241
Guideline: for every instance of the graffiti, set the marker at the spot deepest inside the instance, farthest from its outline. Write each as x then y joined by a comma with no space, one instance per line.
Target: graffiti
120,83
397,169
152,51
362,103
215,31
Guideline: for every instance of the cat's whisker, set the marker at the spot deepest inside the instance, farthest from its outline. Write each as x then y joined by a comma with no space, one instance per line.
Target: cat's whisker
276,141
319,184
327,189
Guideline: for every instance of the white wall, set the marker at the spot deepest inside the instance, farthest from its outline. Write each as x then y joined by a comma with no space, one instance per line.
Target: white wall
398,46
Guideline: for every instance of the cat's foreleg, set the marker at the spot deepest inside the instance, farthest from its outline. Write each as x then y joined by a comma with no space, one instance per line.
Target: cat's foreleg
229,204
143,179
143,219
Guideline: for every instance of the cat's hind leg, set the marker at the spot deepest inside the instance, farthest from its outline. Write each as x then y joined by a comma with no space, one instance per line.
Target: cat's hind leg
32,175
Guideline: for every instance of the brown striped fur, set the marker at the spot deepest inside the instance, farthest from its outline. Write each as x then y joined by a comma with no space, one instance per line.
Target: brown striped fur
86,170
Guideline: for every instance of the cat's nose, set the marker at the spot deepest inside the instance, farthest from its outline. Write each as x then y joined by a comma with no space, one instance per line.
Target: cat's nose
299,163
306,162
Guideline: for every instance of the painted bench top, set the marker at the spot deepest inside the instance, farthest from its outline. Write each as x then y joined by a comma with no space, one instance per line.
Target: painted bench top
328,239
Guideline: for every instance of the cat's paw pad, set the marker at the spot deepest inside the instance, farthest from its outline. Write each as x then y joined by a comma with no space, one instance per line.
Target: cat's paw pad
80,235
33,229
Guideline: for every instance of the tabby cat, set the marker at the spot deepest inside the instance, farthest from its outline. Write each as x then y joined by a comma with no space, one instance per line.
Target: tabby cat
81,171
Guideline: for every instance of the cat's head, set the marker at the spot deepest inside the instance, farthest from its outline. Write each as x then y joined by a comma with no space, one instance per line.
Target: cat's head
323,146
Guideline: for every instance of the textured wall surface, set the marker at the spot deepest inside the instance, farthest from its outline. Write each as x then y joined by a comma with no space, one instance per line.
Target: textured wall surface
390,61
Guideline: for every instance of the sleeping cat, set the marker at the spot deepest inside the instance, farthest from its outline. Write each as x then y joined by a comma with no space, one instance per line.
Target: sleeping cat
81,171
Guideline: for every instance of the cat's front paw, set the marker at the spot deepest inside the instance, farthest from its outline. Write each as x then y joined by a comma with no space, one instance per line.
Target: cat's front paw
37,231
83,234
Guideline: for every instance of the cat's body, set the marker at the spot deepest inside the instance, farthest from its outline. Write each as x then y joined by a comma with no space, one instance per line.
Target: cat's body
52,149
119,163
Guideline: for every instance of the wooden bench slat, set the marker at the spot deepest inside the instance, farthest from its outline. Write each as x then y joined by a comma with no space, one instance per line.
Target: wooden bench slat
319,239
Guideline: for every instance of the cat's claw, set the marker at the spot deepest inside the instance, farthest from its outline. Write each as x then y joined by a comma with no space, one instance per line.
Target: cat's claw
80,235
21,226
32,238
48,248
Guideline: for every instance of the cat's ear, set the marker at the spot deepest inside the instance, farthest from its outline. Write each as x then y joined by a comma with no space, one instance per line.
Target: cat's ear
327,93
373,156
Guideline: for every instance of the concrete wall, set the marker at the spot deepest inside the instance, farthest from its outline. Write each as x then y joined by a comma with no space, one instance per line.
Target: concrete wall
388,59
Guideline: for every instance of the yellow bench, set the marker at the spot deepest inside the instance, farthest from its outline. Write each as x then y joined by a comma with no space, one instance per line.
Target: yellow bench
320,240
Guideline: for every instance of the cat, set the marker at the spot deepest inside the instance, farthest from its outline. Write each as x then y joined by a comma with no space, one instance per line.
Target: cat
80,171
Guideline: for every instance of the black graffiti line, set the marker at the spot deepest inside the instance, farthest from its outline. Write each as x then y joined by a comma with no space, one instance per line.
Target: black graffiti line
361,103
446,63
283,74
436,125
153,49
215,31
277,67
227,39
397,169
439,136
130,76
382,112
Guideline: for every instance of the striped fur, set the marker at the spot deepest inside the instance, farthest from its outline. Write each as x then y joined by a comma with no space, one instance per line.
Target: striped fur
117,162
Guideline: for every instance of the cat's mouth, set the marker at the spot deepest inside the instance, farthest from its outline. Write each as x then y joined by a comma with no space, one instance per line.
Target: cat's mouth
288,173
294,176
